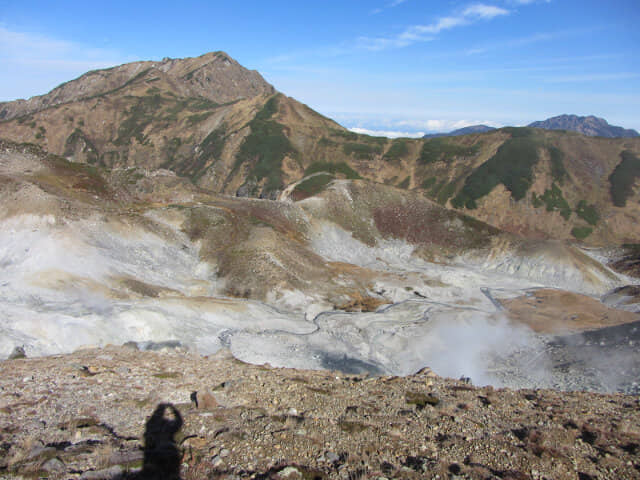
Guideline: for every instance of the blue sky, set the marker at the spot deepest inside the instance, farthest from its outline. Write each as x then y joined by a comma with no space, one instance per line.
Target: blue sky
396,66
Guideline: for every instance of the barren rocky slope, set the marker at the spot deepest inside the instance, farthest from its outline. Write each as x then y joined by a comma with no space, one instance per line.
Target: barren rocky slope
224,128
83,416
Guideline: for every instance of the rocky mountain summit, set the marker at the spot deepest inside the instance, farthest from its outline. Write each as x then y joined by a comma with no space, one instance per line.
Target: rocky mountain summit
88,415
590,125
214,76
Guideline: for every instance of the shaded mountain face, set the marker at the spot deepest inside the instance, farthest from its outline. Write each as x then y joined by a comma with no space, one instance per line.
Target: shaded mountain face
221,127
590,126
462,131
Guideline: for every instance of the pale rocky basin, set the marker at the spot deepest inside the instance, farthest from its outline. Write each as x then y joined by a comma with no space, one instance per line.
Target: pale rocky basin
65,284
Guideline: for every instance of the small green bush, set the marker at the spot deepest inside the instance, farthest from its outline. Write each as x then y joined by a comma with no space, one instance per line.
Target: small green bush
405,183
554,200
429,182
581,232
536,200
587,212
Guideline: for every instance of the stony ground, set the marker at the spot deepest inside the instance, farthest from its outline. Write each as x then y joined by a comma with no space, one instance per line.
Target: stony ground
83,415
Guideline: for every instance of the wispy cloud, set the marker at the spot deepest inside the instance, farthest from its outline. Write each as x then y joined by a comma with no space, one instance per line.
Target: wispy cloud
391,4
424,33
531,39
527,2
45,61
592,77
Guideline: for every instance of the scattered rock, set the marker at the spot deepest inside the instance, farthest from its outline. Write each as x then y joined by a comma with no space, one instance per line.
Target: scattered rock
53,465
18,352
206,400
290,473
106,474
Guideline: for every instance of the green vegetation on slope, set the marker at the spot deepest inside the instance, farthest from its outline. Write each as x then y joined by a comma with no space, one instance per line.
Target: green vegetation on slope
429,182
359,138
160,110
512,166
397,150
78,138
553,200
623,177
440,149
558,172
265,147
446,193
195,166
581,232
404,184
311,186
333,168
362,151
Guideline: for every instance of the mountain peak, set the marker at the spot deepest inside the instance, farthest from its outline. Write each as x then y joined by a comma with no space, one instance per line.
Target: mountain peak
215,76
590,125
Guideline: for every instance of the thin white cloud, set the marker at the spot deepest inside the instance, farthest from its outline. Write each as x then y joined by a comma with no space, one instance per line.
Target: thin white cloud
423,33
480,10
35,63
414,128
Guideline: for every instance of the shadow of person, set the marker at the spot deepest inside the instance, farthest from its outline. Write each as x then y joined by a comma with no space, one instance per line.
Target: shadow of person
161,454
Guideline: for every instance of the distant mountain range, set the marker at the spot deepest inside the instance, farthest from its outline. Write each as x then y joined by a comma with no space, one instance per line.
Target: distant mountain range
590,126
462,131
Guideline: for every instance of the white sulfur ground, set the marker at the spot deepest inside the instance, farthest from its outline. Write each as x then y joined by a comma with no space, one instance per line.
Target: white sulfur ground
59,291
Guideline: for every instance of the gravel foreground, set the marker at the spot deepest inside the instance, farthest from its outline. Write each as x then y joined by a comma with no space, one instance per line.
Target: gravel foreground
90,415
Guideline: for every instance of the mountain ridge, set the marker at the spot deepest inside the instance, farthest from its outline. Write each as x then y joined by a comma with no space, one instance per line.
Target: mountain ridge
589,125
461,131
245,138
195,73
